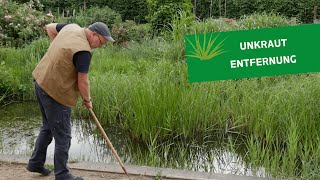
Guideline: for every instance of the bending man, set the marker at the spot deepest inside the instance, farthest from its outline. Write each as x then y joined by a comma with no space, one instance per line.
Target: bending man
60,78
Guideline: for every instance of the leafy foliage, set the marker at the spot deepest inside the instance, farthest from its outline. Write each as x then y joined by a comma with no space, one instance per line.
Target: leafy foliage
301,9
91,15
128,9
21,23
161,12
135,10
130,31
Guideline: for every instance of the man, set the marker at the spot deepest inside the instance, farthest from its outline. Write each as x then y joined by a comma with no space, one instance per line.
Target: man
60,77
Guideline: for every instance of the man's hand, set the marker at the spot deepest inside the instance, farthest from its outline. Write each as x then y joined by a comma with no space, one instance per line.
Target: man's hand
51,30
88,104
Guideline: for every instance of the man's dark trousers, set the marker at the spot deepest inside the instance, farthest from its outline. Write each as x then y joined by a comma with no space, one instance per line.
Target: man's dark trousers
55,124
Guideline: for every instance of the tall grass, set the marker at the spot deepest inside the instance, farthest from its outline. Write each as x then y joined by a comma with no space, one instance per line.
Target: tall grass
153,100
2,97
144,89
16,66
262,20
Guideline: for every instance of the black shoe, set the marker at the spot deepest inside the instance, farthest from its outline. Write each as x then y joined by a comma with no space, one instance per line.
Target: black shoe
71,177
43,171
76,178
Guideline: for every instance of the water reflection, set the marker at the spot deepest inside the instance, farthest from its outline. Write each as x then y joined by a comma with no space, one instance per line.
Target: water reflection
20,123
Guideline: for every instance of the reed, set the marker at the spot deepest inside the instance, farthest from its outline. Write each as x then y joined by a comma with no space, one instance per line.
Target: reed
16,66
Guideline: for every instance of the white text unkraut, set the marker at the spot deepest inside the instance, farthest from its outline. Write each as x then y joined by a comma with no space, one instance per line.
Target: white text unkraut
263,61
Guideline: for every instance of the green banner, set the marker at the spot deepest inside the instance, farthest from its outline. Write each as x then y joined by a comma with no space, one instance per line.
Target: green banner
253,53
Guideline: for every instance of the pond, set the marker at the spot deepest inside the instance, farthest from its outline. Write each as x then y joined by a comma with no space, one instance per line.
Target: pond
20,123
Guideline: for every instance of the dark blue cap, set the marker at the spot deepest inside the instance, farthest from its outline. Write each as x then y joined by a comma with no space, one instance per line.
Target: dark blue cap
102,29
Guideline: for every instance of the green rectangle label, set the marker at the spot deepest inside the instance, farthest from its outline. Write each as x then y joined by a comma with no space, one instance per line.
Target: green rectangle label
253,53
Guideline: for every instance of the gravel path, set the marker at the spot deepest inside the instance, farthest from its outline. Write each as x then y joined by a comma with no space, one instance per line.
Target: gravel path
12,171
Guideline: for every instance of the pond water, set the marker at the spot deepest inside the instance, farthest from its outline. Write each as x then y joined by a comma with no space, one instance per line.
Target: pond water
20,123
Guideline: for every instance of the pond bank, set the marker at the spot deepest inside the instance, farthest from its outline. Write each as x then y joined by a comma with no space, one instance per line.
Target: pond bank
137,172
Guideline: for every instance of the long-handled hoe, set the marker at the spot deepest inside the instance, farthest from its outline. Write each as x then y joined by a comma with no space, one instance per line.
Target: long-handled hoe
108,141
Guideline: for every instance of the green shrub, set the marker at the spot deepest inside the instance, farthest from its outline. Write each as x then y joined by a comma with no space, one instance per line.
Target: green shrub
91,15
162,12
138,32
135,10
120,35
130,31
20,24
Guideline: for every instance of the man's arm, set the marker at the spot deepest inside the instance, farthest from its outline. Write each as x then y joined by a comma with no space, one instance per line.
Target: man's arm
52,30
84,88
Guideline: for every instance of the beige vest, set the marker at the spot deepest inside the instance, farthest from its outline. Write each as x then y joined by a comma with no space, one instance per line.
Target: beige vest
56,73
